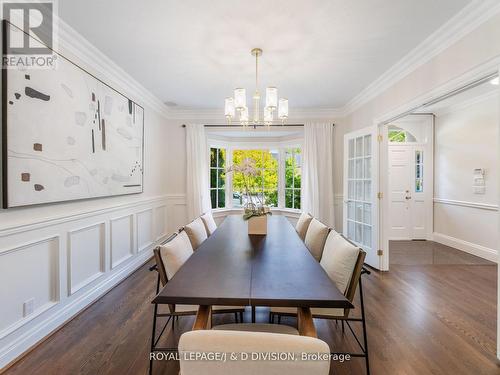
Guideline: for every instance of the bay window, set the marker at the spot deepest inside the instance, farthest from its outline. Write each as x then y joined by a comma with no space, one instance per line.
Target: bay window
277,183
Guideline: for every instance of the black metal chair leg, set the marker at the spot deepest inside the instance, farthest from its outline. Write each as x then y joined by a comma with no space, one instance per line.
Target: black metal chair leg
271,318
363,322
241,316
236,317
153,338
279,319
253,314
343,327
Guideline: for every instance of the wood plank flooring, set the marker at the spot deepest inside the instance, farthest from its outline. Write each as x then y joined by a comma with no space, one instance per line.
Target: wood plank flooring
431,314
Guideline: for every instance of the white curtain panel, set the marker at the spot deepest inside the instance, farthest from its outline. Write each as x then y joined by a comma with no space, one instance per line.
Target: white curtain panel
317,172
198,198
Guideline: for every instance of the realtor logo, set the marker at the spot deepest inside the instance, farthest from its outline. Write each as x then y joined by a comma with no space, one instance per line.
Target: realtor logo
29,34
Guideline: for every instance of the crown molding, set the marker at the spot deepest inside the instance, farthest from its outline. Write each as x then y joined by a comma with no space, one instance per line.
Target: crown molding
464,22
105,68
216,115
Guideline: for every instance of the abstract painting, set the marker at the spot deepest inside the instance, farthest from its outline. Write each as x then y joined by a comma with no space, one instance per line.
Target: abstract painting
67,135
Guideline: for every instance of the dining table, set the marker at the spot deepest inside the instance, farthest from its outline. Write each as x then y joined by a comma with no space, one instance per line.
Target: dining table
233,268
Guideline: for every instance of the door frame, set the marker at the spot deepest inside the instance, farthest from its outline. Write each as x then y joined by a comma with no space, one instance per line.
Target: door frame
482,72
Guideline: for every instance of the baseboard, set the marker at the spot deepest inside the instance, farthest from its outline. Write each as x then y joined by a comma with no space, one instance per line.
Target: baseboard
468,247
33,336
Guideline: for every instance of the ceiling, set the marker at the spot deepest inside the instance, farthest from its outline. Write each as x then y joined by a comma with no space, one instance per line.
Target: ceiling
319,53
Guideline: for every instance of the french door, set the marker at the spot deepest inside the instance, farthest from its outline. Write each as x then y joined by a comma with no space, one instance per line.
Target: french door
360,212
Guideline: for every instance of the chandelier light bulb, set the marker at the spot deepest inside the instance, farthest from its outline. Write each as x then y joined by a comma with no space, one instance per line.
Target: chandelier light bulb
240,99
272,98
244,116
268,116
283,109
229,108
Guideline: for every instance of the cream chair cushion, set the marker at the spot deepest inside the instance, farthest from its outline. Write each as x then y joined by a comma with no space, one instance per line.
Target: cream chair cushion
339,259
303,224
229,341
209,222
316,237
175,253
196,232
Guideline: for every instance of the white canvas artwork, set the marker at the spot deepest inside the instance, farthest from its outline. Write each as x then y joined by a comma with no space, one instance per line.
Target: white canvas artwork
69,136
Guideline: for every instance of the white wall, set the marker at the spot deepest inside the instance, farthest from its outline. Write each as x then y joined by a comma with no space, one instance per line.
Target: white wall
66,255
467,138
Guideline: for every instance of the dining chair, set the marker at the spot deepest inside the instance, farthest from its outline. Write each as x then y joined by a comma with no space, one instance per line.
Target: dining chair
343,262
303,224
196,232
169,258
251,339
316,237
209,222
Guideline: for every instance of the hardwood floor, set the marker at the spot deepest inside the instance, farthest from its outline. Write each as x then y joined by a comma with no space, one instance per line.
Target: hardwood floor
433,313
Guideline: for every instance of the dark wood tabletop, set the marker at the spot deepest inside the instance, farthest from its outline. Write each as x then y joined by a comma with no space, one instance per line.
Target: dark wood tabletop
233,268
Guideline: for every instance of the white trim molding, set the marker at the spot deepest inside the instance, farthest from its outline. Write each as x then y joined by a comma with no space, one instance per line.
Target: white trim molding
481,206
468,247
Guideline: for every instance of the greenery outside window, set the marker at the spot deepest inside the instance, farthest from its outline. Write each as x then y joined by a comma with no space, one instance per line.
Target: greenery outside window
293,174
265,185
218,177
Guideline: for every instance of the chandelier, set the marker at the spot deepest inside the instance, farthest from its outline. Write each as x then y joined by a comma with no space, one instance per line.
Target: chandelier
236,107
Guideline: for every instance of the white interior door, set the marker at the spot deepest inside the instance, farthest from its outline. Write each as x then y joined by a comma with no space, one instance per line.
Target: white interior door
407,199
360,212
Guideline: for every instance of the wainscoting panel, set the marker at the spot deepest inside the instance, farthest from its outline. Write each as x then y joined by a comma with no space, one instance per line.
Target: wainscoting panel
86,256
160,221
29,274
176,212
55,267
144,229
122,239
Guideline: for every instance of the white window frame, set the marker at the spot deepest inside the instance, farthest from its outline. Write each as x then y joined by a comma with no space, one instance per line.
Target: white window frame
280,146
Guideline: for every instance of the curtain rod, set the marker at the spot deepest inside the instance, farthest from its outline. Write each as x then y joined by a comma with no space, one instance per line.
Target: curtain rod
250,126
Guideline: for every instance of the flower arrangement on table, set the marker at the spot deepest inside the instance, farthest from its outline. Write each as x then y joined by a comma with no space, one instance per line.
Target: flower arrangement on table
255,205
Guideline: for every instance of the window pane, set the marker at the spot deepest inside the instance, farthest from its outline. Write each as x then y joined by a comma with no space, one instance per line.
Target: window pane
289,198
351,190
350,230
221,178
359,146
213,198
237,199
297,178
359,190
367,191
296,199
271,198
222,158
358,236
367,235
368,145
213,178
367,213
351,148
368,168
419,186
350,210
359,212
213,157
350,169
222,198
359,168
